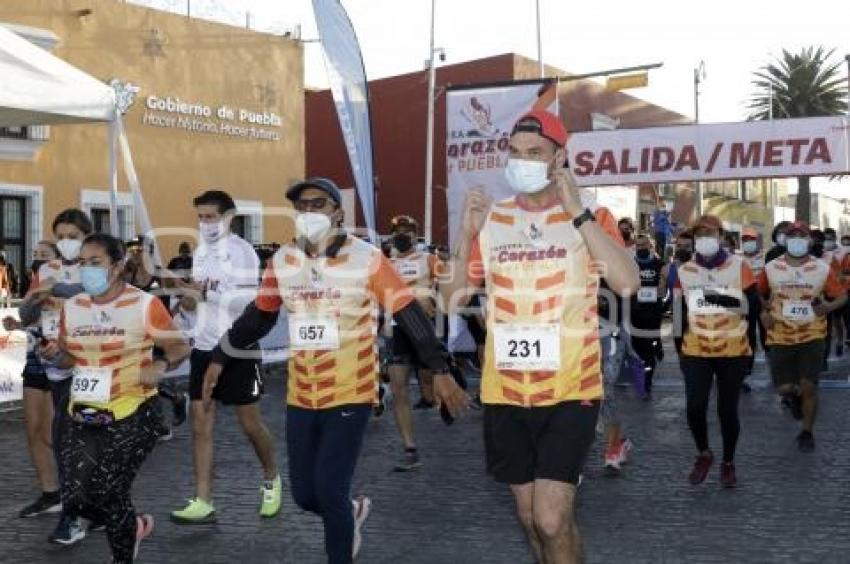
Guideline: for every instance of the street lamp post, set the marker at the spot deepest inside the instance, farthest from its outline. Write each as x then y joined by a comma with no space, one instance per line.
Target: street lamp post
429,143
699,76
540,44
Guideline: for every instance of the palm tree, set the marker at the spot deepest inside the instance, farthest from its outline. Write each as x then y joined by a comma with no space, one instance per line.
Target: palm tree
804,84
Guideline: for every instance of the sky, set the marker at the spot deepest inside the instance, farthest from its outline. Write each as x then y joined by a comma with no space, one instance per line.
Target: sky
733,38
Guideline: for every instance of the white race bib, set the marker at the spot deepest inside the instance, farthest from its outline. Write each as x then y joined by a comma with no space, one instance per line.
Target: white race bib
91,385
698,306
50,323
527,346
798,311
647,294
407,269
313,333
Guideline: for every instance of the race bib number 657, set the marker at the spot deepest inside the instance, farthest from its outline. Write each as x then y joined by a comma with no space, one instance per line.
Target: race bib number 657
527,346
313,332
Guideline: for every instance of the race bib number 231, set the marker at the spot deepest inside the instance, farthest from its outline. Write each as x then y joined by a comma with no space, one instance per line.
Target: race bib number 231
527,347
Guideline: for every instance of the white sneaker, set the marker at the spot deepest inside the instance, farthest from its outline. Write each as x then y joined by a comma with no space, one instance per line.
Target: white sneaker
625,450
360,507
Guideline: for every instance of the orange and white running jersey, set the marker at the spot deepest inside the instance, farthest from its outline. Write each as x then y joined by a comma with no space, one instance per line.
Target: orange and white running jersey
542,326
715,331
791,290
332,306
111,343
419,270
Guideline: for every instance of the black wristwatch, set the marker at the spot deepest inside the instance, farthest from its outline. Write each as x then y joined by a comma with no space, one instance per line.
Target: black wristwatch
586,215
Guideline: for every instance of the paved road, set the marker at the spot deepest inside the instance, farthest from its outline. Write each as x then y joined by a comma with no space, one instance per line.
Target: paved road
789,507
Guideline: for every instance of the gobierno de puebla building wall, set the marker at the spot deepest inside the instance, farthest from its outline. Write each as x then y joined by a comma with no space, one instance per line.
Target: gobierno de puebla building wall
213,106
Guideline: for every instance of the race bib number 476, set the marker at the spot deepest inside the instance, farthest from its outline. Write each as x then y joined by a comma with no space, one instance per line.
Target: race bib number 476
91,385
798,311
527,346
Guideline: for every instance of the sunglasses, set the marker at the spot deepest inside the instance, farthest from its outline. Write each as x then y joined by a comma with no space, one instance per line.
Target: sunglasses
312,204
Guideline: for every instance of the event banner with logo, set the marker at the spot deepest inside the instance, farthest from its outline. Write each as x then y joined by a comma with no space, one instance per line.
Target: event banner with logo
757,149
479,122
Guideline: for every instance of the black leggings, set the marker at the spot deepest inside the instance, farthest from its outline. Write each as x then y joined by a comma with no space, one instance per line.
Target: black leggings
699,376
98,468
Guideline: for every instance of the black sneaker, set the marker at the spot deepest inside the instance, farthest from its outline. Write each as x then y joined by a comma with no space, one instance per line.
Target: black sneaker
423,404
746,388
410,461
68,531
806,441
48,502
96,526
180,410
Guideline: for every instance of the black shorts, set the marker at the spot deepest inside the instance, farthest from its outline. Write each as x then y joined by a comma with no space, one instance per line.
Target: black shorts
36,380
523,444
790,364
240,383
402,349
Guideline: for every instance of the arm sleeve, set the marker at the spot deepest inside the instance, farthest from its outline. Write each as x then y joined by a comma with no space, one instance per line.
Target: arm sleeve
29,312
420,330
158,319
250,327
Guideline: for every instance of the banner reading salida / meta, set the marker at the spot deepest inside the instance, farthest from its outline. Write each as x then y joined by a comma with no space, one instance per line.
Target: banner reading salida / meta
757,149
479,123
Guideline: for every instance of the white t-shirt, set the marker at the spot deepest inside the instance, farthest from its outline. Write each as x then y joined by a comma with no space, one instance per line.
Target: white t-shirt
229,270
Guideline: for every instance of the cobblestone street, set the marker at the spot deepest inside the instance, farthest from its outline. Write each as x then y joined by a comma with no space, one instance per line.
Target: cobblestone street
789,507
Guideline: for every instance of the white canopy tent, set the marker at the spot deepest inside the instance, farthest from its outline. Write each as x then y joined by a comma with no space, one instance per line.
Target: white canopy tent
37,88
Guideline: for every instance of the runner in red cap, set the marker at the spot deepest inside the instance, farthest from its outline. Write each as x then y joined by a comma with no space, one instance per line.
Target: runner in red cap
540,255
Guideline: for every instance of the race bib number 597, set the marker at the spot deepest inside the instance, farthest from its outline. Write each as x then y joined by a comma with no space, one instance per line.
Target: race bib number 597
527,347
91,385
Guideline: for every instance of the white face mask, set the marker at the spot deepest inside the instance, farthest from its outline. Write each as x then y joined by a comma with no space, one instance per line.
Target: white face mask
211,232
527,177
797,246
312,226
69,248
829,245
750,247
706,247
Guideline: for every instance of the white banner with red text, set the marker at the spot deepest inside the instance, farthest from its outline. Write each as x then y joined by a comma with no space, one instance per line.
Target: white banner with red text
757,149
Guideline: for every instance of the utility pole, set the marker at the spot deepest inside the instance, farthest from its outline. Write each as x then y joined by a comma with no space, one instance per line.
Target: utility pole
699,76
429,143
540,44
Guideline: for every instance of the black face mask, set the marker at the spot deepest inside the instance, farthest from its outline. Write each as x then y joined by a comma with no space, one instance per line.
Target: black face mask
36,264
683,255
642,254
402,242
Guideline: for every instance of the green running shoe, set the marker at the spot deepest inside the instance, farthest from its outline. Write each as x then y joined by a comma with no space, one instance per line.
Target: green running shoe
271,497
198,511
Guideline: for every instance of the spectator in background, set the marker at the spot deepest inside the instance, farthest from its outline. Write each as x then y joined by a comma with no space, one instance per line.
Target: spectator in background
778,236
662,228
5,282
627,230
181,265
729,243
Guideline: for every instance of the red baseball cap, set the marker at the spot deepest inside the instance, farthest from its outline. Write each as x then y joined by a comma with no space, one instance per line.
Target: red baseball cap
800,226
547,125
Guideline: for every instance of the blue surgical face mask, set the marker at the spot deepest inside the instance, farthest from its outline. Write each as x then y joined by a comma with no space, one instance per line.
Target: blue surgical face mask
95,279
798,247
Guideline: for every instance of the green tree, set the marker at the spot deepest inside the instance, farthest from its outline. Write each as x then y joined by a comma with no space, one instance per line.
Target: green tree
805,84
